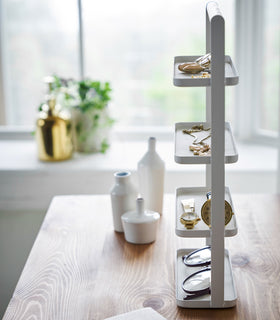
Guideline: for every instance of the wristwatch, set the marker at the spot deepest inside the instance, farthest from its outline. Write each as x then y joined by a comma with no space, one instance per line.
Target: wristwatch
206,211
189,218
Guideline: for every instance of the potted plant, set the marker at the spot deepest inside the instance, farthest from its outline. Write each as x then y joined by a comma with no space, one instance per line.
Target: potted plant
88,102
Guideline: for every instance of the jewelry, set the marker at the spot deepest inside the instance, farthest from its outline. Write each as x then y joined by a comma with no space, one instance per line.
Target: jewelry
203,150
198,147
189,218
191,67
202,63
206,211
203,75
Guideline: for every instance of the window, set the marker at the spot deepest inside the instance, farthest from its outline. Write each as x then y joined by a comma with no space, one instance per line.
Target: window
138,45
130,45
133,47
268,115
38,38
258,60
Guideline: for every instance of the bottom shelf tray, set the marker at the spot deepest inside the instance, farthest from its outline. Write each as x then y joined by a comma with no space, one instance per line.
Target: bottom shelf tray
182,271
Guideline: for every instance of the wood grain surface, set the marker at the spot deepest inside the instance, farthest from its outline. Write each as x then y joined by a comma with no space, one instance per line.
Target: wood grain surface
79,268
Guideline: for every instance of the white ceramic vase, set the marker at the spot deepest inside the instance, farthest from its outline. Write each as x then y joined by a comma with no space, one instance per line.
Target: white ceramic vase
140,226
151,170
123,196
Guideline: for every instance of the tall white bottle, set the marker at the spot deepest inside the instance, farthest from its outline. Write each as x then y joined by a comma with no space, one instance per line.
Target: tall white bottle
151,170
123,196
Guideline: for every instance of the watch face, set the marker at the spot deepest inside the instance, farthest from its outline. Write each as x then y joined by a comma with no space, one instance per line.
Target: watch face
206,212
228,213
189,219
188,216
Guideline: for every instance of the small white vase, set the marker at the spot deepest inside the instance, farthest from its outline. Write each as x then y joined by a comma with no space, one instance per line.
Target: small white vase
123,196
140,226
151,169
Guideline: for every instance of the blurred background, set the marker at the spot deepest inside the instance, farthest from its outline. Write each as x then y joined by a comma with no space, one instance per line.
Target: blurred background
130,46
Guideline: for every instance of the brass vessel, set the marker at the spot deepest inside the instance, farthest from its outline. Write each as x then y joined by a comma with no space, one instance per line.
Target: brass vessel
53,130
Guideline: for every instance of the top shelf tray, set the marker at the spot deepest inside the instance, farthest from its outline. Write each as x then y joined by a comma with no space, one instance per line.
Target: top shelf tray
181,79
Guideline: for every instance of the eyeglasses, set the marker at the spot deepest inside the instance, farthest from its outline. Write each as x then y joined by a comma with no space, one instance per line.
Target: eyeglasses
198,283
198,258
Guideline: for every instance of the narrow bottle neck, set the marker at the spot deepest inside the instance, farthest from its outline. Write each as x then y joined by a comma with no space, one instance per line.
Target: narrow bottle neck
140,206
122,177
152,144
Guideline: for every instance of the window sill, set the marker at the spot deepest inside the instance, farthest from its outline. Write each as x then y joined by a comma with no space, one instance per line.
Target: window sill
27,183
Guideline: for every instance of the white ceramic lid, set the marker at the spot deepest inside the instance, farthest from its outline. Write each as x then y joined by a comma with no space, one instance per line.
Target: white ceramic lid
140,215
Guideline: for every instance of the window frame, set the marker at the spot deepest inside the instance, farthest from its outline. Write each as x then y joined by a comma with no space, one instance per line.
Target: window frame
249,26
2,97
249,43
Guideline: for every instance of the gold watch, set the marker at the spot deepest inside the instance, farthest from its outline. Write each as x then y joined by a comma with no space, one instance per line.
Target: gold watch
206,211
189,218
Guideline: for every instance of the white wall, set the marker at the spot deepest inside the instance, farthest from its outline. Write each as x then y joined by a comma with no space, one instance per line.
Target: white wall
17,234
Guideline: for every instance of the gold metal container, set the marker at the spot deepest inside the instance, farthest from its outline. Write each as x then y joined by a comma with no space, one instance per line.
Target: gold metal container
54,132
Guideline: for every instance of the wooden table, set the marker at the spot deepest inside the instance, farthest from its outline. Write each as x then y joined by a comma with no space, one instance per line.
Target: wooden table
79,268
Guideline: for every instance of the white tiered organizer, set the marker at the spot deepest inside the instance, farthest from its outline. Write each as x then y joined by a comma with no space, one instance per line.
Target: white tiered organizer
223,150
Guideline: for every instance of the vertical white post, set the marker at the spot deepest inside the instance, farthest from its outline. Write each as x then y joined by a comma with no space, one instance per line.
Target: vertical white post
278,155
208,96
278,162
81,40
208,108
217,154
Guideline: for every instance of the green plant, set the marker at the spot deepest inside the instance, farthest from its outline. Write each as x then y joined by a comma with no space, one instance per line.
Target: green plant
88,101
86,94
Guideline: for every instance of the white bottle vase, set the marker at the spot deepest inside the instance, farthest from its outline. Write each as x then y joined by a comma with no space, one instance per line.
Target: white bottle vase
140,226
151,170
123,196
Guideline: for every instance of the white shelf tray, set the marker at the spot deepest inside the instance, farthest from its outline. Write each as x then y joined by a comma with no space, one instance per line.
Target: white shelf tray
181,79
201,229
182,271
182,142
